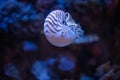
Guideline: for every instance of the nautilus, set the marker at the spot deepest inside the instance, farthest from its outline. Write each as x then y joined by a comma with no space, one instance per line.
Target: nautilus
60,29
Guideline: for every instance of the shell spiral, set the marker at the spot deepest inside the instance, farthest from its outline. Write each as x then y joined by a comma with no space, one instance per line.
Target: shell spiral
60,29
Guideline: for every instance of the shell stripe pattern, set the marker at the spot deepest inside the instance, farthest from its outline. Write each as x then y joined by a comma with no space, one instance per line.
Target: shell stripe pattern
60,29
52,22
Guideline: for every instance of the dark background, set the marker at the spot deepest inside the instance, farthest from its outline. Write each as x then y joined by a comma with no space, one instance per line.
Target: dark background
22,42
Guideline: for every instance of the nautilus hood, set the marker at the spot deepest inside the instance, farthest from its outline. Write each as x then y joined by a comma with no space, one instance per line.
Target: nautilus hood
60,29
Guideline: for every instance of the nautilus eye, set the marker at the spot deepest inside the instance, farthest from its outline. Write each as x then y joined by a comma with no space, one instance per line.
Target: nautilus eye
60,29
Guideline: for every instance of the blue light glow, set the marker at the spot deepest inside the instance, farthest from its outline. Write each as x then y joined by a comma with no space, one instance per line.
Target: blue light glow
29,46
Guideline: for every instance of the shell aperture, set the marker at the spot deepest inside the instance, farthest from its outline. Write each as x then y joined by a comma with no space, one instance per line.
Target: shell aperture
60,29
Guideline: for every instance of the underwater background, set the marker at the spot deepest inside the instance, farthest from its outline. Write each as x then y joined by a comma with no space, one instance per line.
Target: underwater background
25,53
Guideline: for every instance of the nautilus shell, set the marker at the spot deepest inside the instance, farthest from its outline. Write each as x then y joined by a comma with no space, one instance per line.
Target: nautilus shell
60,29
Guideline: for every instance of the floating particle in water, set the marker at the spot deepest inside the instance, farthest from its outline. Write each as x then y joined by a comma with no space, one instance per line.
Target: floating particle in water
66,64
29,46
50,61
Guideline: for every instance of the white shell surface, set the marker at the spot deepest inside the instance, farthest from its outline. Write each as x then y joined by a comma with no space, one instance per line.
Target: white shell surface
58,30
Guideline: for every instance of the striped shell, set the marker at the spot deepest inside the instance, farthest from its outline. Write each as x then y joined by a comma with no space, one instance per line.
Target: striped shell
60,29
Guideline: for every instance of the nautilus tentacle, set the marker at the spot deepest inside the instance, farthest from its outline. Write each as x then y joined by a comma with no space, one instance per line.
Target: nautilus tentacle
75,27
60,29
